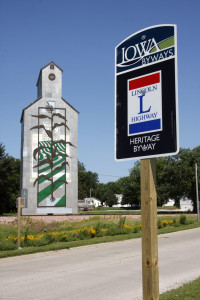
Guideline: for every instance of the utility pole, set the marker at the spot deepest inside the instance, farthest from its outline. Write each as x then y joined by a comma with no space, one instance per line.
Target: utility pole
90,194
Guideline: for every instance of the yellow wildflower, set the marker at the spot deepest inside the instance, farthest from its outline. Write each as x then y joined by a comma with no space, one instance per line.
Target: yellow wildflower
30,237
128,226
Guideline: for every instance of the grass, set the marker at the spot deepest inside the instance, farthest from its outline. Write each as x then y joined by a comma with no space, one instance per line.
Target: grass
119,211
168,207
189,291
38,236
12,213
110,208
68,245
110,212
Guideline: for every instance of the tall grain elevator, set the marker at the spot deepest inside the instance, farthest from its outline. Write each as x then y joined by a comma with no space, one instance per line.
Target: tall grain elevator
49,149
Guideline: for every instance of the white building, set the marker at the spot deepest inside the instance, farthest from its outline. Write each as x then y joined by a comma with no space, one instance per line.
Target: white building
88,203
119,201
93,201
185,204
49,149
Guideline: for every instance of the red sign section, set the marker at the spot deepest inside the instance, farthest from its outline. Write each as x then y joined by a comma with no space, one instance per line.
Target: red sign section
144,81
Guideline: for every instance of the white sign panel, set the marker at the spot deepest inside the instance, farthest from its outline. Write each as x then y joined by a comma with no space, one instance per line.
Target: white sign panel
145,104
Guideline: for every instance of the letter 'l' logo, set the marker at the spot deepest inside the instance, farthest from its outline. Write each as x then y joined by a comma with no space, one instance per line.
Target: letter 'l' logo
141,106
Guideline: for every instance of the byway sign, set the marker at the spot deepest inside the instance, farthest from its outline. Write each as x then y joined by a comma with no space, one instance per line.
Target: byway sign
146,108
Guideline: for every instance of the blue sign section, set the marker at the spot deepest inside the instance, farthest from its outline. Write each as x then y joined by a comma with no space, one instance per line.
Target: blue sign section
145,126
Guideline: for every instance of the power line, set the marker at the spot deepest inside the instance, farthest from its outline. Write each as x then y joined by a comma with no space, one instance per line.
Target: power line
71,170
109,175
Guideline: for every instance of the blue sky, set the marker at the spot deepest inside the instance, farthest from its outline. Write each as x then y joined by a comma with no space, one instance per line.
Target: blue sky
80,37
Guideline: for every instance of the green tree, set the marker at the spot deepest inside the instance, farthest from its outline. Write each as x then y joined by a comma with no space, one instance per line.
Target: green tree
104,190
162,183
86,180
9,181
109,198
131,193
176,176
100,191
122,184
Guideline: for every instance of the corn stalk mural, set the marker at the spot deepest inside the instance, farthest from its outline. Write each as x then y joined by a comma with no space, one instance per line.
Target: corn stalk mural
51,156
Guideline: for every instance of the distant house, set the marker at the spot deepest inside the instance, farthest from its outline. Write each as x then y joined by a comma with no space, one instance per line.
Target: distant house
88,203
93,201
119,201
170,202
185,204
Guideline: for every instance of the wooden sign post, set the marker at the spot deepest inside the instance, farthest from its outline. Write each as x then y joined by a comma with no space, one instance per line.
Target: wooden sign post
19,203
149,230
197,192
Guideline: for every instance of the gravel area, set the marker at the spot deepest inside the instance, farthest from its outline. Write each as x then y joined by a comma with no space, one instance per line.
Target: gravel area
70,218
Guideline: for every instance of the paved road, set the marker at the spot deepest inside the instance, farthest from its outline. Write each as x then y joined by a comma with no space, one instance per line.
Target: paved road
104,272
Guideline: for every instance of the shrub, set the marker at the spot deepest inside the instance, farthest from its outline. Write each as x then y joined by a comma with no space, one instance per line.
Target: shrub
114,231
41,242
7,245
98,228
159,224
122,222
104,231
183,219
136,229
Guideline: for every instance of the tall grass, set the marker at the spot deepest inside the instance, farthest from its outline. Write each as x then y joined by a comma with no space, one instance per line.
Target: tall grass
39,234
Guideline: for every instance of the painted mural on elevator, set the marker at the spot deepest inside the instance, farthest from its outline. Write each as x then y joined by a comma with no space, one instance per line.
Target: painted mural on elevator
51,156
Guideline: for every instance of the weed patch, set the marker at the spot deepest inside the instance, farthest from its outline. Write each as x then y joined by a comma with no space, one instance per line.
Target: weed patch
40,235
